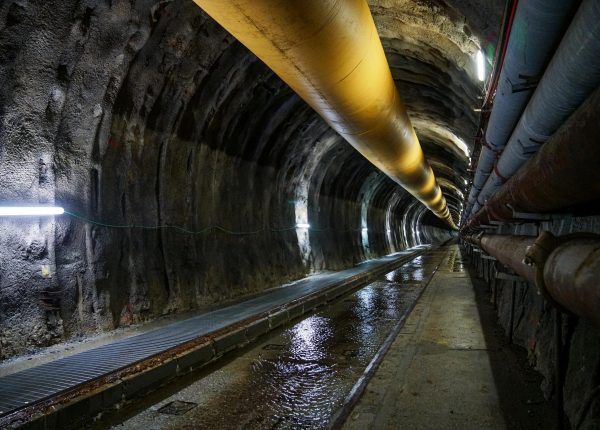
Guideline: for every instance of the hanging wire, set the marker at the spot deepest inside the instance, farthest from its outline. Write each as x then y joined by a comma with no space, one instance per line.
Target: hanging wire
202,231
177,228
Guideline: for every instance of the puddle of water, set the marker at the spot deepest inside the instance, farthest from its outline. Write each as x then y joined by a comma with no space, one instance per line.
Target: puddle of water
298,377
455,263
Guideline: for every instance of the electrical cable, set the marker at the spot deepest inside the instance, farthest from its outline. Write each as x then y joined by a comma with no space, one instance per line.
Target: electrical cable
201,231
175,227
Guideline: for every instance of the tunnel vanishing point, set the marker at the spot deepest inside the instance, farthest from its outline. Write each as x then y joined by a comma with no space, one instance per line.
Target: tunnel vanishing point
300,214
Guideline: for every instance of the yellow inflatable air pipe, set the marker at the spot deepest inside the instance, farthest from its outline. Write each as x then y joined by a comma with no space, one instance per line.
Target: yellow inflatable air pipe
329,52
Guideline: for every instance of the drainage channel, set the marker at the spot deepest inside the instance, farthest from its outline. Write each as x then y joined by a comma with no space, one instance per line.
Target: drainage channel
69,391
296,377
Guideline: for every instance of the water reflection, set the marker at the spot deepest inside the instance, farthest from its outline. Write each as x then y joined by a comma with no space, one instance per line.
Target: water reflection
455,261
411,274
299,377
365,299
308,338
296,384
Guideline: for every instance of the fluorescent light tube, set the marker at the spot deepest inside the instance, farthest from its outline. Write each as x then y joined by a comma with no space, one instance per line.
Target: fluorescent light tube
30,210
480,66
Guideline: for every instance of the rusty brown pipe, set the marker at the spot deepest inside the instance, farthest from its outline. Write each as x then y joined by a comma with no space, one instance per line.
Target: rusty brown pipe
329,52
563,173
510,251
565,269
568,271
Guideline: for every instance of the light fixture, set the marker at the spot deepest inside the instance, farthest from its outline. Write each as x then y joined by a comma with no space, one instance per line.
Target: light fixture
30,210
480,66
302,225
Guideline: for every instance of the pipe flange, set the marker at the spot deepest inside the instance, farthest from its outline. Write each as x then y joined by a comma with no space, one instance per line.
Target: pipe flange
477,238
537,255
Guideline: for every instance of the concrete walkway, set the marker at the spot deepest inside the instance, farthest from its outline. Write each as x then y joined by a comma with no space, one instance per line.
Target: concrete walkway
450,368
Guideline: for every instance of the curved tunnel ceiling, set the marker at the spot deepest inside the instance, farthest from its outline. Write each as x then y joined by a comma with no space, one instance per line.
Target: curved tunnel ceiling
151,114
430,49
212,87
185,75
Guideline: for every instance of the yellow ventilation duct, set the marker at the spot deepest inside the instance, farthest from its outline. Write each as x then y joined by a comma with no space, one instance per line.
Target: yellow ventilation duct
329,52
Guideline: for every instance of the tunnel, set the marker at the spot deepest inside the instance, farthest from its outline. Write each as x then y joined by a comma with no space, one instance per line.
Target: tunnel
300,214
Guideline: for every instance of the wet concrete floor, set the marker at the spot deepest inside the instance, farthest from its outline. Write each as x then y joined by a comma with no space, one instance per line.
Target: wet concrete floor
296,377
452,367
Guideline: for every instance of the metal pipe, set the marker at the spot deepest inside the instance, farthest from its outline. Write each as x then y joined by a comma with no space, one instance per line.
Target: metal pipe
538,27
565,269
571,272
329,52
571,76
510,251
536,31
563,173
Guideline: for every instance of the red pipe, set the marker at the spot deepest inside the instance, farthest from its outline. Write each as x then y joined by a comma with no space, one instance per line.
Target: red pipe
499,60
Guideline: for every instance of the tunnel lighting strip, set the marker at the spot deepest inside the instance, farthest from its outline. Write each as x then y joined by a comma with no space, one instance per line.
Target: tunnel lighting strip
31,210
480,66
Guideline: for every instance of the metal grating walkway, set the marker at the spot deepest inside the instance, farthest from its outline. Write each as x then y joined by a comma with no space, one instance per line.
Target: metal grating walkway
36,384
